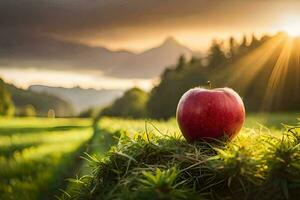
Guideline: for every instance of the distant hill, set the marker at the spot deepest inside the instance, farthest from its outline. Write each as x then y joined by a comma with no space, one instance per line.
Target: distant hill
152,62
80,98
50,53
42,102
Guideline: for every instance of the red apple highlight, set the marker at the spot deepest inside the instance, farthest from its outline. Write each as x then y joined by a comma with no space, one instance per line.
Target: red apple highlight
204,114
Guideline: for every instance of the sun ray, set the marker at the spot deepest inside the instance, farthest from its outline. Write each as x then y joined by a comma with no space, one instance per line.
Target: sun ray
250,65
278,76
297,70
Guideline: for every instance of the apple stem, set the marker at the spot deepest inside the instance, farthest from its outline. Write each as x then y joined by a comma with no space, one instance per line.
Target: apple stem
209,84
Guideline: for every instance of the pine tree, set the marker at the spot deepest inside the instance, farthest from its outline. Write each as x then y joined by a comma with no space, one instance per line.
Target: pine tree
181,63
232,47
216,56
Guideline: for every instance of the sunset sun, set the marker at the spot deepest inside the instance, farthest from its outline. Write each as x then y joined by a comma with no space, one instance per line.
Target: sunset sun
292,29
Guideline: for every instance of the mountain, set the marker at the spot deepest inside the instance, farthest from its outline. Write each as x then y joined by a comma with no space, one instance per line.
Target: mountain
80,98
55,54
152,62
41,102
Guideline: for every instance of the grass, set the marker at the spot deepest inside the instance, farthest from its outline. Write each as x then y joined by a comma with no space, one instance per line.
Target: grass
36,154
146,159
152,161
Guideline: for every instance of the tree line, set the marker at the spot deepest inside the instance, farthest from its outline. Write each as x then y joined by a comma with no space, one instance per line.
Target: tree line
7,106
269,83
18,102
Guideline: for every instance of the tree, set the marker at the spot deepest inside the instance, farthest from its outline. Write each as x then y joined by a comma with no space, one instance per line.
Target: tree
193,60
243,46
89,113
254,41
244,42
216,57
28,111
6,103
131,104
181,63
232,47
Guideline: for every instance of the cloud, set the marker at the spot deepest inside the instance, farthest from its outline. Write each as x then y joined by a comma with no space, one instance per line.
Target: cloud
41,52
57,34
89,19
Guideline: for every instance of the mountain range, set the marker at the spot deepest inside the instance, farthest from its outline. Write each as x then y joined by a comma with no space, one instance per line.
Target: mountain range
42,52
80,99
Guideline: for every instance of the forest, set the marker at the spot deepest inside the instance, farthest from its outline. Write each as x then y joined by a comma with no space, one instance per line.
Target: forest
260,70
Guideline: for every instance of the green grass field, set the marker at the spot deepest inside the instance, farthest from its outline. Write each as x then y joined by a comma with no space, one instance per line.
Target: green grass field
153,161
147,159
37,154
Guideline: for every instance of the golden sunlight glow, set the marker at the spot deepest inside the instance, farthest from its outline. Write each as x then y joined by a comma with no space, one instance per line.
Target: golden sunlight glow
291,25
292,29
278,75
252,64
25,77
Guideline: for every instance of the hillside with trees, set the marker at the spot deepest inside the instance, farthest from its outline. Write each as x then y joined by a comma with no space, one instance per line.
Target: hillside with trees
270,64
131,104
22,102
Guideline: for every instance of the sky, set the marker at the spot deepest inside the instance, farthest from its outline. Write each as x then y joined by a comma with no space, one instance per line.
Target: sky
134,26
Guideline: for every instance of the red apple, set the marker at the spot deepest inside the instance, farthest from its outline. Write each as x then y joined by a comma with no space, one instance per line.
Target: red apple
204,114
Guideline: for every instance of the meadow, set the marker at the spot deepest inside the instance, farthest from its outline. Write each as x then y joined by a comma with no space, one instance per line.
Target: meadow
147,159
36,155
150,160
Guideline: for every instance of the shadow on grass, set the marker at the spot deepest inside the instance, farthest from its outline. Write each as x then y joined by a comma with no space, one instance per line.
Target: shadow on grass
11,131
8,151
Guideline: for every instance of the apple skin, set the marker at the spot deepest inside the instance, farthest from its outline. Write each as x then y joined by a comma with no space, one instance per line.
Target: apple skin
204,114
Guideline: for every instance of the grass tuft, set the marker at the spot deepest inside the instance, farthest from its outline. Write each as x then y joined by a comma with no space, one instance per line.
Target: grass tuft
258,164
